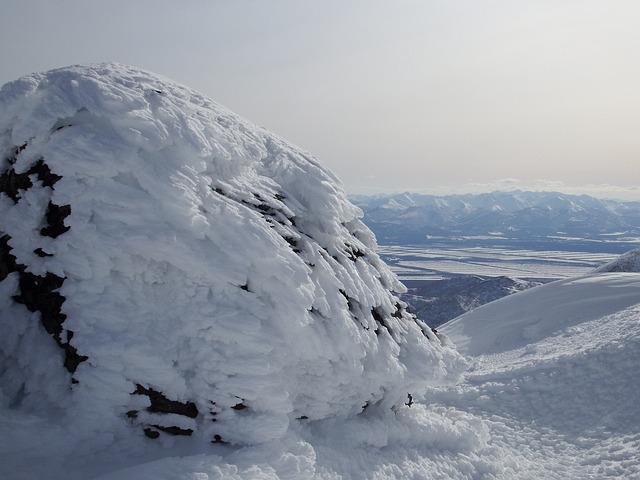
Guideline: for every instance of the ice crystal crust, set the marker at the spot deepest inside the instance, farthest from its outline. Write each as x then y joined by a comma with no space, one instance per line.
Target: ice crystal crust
209,278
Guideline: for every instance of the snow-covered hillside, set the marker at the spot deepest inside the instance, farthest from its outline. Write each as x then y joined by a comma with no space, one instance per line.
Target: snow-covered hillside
629,262
185,296
555,376
442,300
527,317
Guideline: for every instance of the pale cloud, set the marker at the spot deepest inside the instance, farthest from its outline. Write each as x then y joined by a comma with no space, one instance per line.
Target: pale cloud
402,95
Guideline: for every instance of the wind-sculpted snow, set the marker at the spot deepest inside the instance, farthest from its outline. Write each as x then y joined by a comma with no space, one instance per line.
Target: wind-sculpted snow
169,268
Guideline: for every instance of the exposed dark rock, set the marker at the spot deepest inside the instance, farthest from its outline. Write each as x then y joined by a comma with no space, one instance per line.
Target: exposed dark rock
39,294
71,358
55,220
353,253
292,242
409,400
7,261
398,312
213,411
173,430
161,404
151,433
48,178
11,182
379,318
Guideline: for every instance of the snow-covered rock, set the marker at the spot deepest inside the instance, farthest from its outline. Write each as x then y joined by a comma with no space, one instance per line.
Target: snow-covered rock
442,300
628,262
169,268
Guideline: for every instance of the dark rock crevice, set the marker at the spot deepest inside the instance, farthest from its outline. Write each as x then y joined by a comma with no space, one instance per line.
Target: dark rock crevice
380,320
12,182
38,293
173,430
55,220
161,404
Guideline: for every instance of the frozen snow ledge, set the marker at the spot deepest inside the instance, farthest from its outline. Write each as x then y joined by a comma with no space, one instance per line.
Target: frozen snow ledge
168,269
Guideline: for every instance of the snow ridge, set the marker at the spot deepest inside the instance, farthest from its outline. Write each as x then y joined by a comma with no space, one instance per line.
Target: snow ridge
628,262
199,276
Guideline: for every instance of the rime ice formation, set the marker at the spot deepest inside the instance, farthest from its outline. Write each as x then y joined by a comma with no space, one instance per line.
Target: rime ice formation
168,269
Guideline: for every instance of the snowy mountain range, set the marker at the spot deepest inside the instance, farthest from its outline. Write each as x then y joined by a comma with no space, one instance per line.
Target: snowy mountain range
412,218
184,295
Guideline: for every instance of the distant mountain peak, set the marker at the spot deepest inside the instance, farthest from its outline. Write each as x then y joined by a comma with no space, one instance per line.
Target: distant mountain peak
526,215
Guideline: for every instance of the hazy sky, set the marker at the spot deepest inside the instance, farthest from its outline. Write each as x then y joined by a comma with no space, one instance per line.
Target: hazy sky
440,96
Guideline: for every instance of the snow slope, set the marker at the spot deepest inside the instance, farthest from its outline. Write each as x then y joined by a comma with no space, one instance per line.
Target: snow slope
555,376
525,318
629,262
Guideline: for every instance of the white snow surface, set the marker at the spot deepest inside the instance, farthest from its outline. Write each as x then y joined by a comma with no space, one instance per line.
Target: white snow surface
509,323
555,376
214,262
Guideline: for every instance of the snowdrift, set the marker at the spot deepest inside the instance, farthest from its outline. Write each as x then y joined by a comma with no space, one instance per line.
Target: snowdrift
555,376
168,269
